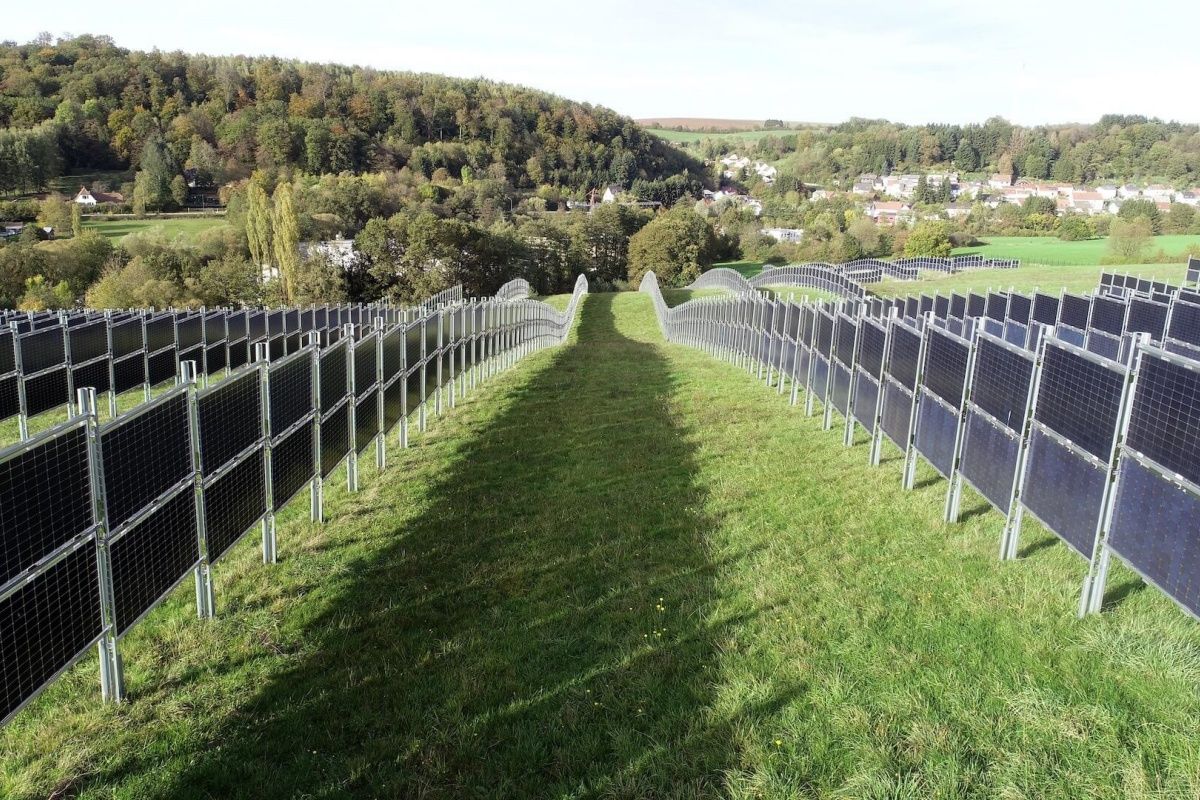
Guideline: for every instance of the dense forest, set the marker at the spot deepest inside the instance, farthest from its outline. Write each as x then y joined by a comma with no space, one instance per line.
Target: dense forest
231,115
1117,148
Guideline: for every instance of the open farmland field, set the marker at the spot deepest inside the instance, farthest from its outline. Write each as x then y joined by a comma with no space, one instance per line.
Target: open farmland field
1049,250
627,569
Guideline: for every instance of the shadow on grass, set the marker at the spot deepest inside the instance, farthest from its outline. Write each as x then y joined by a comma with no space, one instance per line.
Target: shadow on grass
546,624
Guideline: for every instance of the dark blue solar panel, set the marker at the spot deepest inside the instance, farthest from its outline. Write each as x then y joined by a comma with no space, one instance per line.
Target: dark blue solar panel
1154,528
937,428
1080,399
1000,385
1185,323
840,388
1045,309
946,366
989,460
866,393
905,353
897,413
820,377
1064,491
1146,316
1164,421
1108,315
871,348
1075,311
844,340
1019,308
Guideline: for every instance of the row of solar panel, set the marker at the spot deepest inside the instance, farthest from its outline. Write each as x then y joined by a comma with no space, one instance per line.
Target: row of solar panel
1035,426
40,369
98,523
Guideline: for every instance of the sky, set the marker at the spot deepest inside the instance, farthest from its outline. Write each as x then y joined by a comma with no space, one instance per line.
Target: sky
916,61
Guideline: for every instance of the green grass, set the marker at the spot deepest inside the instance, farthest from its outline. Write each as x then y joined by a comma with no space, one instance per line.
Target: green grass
1076,278
186,227
739,137
748,268
69,184
1049,250
625,569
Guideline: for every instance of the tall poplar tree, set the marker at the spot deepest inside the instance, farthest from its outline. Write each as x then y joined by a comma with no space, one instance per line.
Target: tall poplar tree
286,230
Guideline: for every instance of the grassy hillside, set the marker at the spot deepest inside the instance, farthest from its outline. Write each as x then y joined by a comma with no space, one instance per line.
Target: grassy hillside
1049,250
626,569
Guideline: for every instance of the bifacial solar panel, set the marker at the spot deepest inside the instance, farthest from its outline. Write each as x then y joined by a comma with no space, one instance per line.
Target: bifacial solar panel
393,353
1020,307
989,459
334,381
1001,381
946,366
873,340
1154,529
88,341
958,306
1079,398
45,499
291,464
366,421
160,332
335,438
160,367
146,452
976,305
1185,323
1102,344
46,624
153,556
845,337
42,350
1074,311
937,431
1045,309
393,404
290,387
997,306
1146,316
905,353
1108,315
233,502
1164,419
94,375
1064,491
230,419
47,391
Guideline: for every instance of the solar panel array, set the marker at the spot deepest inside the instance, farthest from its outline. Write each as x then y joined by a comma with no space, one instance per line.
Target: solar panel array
1081,411
100,522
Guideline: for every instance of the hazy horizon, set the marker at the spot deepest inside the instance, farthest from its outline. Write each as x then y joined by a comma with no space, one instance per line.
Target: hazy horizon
930,62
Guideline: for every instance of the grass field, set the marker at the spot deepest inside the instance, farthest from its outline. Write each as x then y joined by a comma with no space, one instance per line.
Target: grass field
1083,278
1049,250
627,570
186,227
69,184
686,137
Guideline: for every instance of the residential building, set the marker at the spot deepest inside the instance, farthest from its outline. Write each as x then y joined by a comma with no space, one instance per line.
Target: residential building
88,198
889,212
791,235
337,251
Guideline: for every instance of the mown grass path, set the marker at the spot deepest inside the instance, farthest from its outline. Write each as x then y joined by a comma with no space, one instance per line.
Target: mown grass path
626,569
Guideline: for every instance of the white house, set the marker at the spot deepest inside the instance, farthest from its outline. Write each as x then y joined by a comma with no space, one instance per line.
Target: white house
1108,191
87,198
337,251
611,193
784,234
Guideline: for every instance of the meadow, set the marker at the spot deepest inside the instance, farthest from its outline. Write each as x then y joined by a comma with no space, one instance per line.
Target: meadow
187,228
626,569
1050,250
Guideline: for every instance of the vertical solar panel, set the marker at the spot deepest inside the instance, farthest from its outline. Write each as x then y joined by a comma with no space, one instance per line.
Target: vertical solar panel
153,556
233,502
146,452
1074,311
291,464
290,391
1108,315
1079,398
946,366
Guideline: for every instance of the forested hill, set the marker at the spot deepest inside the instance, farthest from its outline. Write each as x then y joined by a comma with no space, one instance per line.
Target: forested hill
232,115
